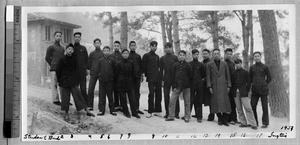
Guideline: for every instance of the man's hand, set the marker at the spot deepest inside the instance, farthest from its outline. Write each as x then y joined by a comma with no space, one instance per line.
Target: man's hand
228,90
88,72
211,90
142,79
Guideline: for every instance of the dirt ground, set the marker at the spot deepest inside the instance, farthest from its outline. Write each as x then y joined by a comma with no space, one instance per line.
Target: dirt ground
43,117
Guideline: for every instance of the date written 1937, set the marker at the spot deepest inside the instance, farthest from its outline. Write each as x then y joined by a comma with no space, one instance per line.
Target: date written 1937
288,128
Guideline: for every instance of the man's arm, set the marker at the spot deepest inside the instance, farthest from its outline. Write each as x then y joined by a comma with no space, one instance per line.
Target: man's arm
48,56
269,78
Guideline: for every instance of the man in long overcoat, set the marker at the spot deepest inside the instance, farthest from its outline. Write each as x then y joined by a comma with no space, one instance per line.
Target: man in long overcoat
219,83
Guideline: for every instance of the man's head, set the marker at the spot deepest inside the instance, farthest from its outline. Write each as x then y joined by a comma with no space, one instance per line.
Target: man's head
181,55
77,37
69,49
257,56
153,46
106,50
238,63
97,43
195,54
228,53
168,48
117,45
57,36
125,53
132,45
216,54
205,53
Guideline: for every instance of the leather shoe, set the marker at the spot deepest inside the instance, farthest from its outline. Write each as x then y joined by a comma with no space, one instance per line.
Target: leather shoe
199,120
243,125
139,112
127,115
186,120
264,126
58,103
100,114
177,116
137,116
113,113
169,119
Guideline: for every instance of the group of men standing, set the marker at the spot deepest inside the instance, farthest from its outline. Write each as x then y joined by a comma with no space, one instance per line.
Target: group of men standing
221,85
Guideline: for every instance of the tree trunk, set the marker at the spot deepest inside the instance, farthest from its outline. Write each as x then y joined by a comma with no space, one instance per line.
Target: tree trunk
169,28
124,30
279,99
251,39
246,36
163,27
176,40
110,31
214,28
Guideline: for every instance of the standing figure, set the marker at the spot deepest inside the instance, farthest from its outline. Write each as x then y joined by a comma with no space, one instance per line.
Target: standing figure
82,62
94,58
151,69
260,77
117,57
137,60
197,87
125,75
219,83
166,63
53,54
68,80
105,72
182,77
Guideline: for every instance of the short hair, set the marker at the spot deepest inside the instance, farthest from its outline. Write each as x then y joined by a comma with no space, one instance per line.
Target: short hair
131,42
97,39
208,51
228,50
57,32
125,50
238,60
152,43
182,51
77,33
117,42
106,47
70,45
195,51
256,52
168,45
216,49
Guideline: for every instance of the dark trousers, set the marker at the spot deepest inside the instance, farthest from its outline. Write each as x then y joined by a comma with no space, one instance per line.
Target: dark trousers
92,84
264,104
116,96
197,101
106,89
233,115
132,102
136,89
82,84
167,89
65,98
154,97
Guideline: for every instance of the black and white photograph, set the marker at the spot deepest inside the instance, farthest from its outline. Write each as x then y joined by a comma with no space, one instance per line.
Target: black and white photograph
158,72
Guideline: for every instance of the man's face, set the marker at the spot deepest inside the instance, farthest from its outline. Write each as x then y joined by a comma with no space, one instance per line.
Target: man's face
216,54
69,51
57,37
228,55
97,44
181,56
238,65
153,48
132,46
257,57
77,38
125,54
117,46
196,56
168,50
106,51
205,55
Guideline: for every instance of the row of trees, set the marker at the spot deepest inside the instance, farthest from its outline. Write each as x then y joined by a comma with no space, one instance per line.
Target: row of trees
166,24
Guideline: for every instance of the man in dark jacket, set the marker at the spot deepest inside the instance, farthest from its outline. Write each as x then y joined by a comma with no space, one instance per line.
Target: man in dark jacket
53,54
105,72
166,63
207,95
151,69
117,57
229,60
82,62
182,77
137,60
68,80
241,86
125,73
260,77
197,86
92,70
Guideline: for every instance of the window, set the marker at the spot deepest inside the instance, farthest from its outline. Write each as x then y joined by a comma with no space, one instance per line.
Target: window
67,34
47,33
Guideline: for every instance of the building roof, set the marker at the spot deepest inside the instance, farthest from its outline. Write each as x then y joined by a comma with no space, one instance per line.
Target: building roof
37,17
